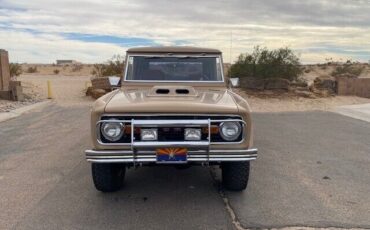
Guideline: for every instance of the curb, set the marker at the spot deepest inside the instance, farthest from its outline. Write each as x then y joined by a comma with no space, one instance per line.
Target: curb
4,116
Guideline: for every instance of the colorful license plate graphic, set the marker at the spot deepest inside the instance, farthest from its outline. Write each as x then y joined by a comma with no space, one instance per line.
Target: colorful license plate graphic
174,155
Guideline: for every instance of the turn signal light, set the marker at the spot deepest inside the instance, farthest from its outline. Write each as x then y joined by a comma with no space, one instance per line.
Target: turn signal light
214,129
128,129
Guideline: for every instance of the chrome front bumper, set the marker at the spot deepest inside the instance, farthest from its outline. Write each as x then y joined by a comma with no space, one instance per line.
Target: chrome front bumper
149,156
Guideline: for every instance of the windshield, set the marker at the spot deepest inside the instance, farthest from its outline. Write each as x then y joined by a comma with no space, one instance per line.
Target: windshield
184,68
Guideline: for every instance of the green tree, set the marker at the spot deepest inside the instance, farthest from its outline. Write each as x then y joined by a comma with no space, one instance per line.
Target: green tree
263,63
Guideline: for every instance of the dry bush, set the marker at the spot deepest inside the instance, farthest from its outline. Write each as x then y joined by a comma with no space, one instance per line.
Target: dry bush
77,68
267,64
348,69
56,71
15,69
113,67
32,69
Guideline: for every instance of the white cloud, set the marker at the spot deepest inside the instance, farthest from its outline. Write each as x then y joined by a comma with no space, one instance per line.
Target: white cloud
338,29
25,47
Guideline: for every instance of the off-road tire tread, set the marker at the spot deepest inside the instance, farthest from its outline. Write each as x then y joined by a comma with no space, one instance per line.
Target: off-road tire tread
108,177
235,175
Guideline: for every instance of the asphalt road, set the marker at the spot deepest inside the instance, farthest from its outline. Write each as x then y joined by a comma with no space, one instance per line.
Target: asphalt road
313,170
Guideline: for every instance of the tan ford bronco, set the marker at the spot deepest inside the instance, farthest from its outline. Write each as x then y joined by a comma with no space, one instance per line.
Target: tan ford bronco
173,106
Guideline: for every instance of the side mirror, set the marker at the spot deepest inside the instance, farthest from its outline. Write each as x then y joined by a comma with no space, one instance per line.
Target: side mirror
114,81
234,82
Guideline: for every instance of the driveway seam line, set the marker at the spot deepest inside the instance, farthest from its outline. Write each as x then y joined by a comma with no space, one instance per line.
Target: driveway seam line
234,219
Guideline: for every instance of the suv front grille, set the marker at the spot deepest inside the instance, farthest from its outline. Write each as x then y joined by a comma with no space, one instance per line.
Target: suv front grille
169,134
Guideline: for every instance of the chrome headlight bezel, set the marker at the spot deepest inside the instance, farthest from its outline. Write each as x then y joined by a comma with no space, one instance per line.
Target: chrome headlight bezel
144,133
192,134
119,126
236,125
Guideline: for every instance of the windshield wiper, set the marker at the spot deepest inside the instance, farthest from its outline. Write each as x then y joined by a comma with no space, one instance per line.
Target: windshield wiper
151,57
187,57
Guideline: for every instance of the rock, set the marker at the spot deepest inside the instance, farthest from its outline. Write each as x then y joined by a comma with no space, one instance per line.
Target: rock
252,83
323,92
305,94
325,83
101,83
96,93
299,84
277,83
89,91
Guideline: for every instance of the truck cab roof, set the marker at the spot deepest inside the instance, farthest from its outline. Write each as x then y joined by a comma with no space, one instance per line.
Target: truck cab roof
174,49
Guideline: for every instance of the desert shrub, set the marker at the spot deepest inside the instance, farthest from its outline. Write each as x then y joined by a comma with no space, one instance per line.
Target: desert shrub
56,71
307,70
77,68
113,67
15,69
348,69
32,69
263,63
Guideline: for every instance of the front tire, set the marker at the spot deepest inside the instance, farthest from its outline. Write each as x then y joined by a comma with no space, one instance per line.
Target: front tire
235,175
108,177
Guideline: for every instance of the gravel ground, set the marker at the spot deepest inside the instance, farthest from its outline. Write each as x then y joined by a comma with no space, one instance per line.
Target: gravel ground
32,95
7,106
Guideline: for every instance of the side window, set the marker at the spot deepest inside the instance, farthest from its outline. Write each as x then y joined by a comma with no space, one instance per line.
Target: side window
130,69
219,69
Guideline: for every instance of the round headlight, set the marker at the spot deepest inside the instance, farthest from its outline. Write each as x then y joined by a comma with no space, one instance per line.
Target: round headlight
112,131
230,130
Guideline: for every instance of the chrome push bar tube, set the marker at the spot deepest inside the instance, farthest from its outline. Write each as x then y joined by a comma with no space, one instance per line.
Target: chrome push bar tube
127,156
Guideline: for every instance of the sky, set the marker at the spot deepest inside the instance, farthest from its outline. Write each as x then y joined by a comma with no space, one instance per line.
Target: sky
41,31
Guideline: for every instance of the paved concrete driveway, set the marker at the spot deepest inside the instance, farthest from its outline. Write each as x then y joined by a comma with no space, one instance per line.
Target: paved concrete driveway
361,112
313,170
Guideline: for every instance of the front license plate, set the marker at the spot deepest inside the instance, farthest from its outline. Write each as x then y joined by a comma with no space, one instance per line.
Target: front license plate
172,155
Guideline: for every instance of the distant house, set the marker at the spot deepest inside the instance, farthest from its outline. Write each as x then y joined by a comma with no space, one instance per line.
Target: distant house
66,62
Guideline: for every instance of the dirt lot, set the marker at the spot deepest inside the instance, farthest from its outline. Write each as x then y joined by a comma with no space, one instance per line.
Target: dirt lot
284,103
70,90
312,71
63,70
65,89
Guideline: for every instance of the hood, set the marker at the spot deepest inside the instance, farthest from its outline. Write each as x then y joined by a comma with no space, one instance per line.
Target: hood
172,99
